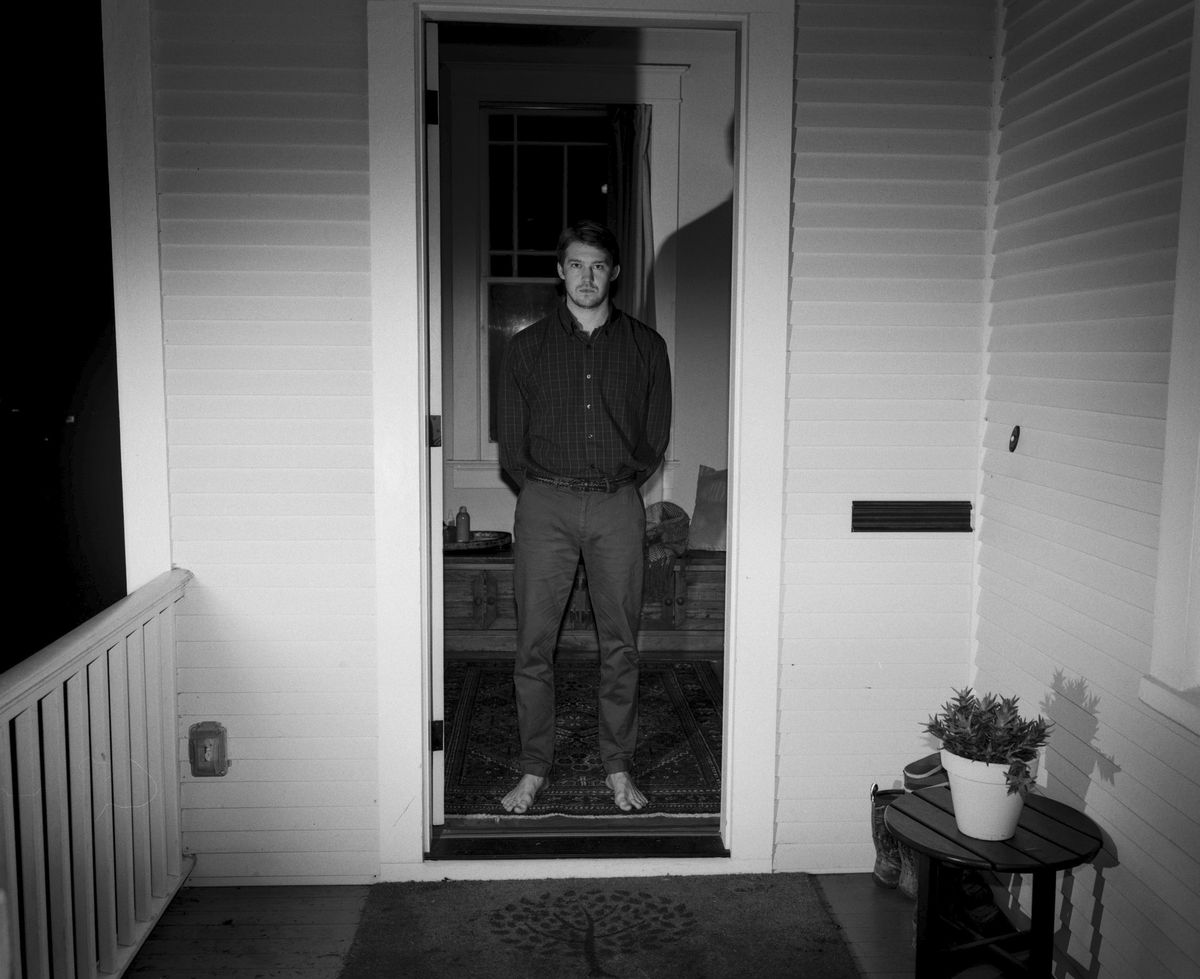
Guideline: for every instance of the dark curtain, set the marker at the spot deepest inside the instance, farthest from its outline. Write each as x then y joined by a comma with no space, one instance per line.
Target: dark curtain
629,208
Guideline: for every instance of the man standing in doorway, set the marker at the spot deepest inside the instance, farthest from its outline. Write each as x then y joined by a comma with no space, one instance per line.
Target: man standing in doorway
584,417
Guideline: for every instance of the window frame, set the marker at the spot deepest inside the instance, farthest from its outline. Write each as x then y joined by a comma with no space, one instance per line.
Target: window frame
1172,687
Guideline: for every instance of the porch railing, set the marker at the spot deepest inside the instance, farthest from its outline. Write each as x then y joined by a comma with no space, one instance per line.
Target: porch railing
90,850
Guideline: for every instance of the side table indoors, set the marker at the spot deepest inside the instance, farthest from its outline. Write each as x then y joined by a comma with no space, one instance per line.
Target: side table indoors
1050,837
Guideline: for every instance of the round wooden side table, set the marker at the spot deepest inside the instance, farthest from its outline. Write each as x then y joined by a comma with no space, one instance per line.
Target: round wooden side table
1050,837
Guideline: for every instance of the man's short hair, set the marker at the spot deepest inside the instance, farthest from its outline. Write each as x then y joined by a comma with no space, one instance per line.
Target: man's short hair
589,233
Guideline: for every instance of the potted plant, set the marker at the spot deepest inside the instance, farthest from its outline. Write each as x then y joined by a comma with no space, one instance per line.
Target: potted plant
990,753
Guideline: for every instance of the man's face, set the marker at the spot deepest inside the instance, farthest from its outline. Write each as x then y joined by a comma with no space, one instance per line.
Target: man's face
587,272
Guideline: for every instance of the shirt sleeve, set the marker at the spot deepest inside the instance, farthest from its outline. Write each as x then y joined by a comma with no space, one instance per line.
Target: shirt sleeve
512,412
658,409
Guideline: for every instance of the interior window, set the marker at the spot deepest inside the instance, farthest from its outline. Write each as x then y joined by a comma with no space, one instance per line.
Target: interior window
546,168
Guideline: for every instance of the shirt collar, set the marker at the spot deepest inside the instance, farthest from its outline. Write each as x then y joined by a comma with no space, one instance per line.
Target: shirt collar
569,324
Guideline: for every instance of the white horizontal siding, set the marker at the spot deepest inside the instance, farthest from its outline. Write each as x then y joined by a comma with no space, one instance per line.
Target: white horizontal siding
1090,155
893,128
262,157
262,175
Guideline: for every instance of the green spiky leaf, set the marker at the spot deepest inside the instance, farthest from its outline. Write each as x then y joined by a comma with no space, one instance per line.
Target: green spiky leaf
991,729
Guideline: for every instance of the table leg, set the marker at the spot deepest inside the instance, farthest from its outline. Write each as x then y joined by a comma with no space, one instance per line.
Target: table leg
927,939
1041,919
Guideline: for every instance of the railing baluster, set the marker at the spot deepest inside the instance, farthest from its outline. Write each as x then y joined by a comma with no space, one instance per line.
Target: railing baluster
156,805
169,705
83,848
102,816
58,831
32,844
8,851
139,776
122,785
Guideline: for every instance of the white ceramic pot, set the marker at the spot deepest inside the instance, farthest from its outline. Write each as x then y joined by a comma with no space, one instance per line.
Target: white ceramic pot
983,808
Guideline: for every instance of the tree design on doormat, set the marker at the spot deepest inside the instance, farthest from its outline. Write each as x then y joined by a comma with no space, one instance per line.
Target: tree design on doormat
593,922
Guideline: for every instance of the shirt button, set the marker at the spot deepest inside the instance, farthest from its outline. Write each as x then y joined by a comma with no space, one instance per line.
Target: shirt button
588,407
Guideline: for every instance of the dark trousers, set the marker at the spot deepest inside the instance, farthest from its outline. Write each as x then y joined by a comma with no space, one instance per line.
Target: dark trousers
552,528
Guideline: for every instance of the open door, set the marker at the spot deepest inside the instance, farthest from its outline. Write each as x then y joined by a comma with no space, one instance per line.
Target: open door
547,101
433,307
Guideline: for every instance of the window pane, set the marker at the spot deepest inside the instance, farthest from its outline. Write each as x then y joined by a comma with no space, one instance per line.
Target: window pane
500,190
537,266
500,127
501,265
587,172
539,197
561,129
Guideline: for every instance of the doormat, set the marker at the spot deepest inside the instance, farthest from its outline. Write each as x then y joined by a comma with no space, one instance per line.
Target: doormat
678,760
703,927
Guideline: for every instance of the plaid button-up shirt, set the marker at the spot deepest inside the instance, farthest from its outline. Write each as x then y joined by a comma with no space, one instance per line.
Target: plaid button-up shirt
585,407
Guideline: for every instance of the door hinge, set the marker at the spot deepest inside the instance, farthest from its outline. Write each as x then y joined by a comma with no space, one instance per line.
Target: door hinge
437,735
431,107
435,431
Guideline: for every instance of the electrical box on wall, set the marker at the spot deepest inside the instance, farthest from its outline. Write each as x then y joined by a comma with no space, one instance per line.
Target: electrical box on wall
207,749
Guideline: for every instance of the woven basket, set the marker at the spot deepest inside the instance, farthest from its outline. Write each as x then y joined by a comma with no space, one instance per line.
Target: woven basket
666,539
667,524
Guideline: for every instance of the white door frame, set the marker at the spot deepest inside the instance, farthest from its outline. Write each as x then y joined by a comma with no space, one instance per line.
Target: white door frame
756,445
137,292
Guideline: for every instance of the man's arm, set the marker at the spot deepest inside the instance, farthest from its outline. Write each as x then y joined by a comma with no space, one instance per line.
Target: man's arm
658,409
512,418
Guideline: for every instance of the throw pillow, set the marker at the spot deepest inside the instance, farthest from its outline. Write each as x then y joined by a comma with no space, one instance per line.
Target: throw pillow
707,529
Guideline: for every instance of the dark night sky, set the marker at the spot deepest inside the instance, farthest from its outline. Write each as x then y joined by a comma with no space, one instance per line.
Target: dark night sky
58,397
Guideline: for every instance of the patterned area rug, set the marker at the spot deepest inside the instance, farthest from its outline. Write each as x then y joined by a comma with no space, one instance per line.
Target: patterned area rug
756,926
678,763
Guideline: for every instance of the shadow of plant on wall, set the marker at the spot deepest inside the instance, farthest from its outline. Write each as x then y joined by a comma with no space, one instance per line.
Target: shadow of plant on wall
1072,757
1073,760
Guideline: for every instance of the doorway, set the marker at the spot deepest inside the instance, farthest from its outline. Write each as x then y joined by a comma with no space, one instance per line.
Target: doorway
524,96
408,492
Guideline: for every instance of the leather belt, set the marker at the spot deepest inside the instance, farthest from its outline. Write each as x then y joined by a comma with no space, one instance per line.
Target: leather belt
582,485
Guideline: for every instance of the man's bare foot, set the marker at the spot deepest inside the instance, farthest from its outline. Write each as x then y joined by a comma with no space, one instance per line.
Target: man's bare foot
626,794
523,793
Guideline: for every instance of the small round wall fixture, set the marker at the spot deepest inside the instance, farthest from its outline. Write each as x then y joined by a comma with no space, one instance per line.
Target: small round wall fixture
1014,438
